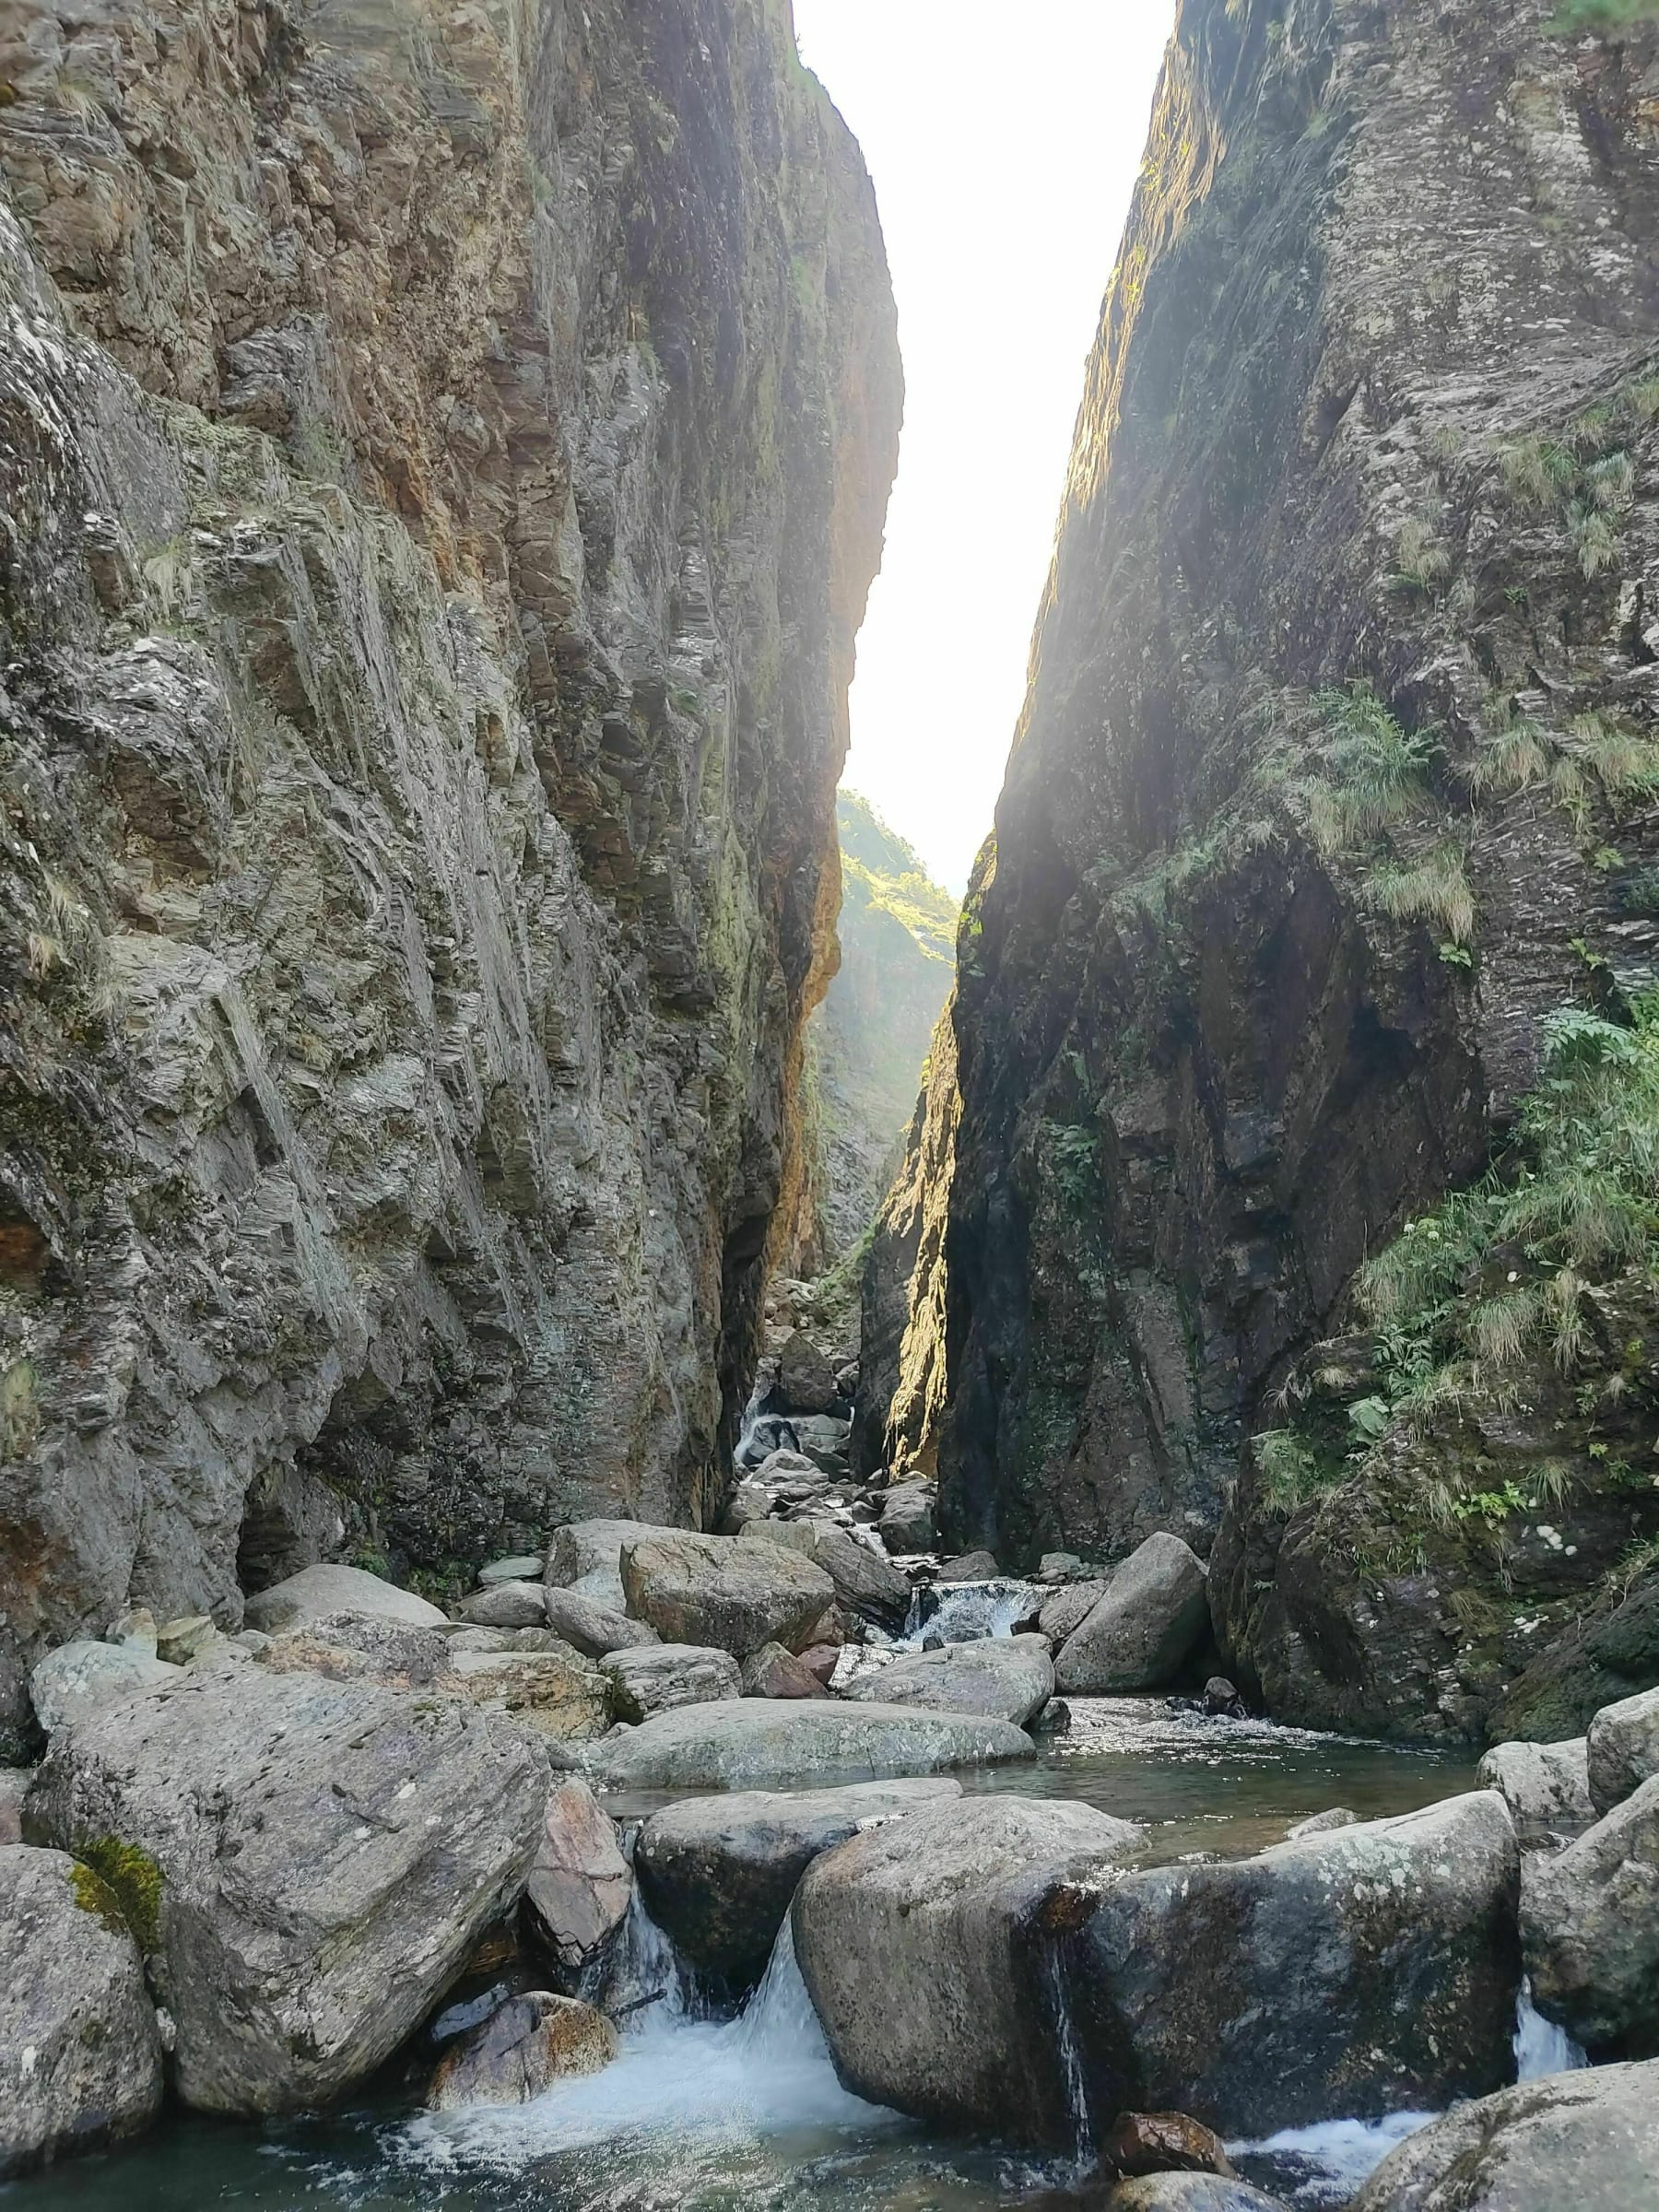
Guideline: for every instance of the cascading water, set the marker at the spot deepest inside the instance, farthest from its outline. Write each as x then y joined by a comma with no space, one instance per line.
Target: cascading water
1540,2046
959,1612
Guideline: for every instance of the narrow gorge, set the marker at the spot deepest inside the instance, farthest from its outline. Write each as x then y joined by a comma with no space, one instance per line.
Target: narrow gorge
678,1525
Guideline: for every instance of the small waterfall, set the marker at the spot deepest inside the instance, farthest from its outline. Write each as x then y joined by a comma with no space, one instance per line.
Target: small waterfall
1070,2054
779,2021
1540,2046
961,1612
644,1972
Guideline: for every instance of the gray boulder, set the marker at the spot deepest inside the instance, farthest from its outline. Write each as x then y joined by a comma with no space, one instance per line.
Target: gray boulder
760,1743
80,2051
656,1678
772,1672
80,1680
317,1592
1586,2142
14,1787
507,1606
1141,1633
971,1567
805,1379
1622,1749
305,1862
865,1579
1323,1824
1009,1676
730,1592
1065,1611
1590,1932
580,1886
718,1872
594,1629
907,1524
524,1567
356,1647
1546,1787
1369,1970
558,1694
1188,2193
924,1950
587,1557
521,2050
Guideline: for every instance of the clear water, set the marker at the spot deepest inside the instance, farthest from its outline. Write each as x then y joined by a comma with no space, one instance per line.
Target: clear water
747,2115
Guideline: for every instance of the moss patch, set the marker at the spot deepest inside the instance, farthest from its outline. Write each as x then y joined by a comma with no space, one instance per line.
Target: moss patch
136,1880
95,1896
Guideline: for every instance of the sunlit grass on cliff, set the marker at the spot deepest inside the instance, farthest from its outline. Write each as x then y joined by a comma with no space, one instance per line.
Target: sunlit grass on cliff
1577,18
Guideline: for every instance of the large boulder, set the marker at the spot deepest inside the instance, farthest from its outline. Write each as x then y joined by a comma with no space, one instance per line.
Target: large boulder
559,1693
772,1672
656,1678
718,1873
758,1743
526,2046
79,1680
586,1557
580,1885
594,1629
805,1379
318,1593
1187,2193
356,1647
1546,1787
1622,1749
1586,2142
924,1949
1011,1676
1370,1970
507,1606
523,1566
864,1580
15,1782
80,2051
1142,1630
1590,1932
306,1862
908,1523
726,1591
1063,1612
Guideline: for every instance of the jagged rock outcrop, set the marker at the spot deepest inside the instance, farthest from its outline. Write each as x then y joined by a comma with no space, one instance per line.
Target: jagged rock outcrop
1335,783
444,451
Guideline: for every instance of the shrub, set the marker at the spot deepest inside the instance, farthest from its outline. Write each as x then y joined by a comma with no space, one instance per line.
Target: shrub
1377,771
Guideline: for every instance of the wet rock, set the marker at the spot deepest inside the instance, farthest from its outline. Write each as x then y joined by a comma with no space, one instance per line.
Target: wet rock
846,1379
80,1680
970,1567
1621,1751
1365,1970
507,1606
524,1567
594,1629
1587,2140
557,1694
1056,1719
1145,2143
1590,1932
1064,1612
586,1557
1142,1631
521,2050
1011,1676
922,1949
772,1672
865,1580
656,1678
757,1743
1546,1787
14,1787
734,1593
718,1874
1222,1699
80,2051
310,1895
1323,1824
317,1592
907,1524
806,1379
1188,2193
578,1894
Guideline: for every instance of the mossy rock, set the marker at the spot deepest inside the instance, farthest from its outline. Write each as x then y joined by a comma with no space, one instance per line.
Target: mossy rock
135,1880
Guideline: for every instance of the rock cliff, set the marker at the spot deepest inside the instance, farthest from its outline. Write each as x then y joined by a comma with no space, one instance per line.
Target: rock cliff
444,451
1323,876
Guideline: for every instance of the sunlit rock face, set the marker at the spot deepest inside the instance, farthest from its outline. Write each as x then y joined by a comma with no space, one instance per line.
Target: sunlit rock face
444,451
1373,404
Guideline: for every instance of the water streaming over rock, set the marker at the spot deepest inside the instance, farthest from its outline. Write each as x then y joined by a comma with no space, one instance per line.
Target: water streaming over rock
961,1611
1541,2047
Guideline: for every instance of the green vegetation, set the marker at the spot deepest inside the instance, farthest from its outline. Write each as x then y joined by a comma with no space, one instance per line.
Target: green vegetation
1597,756
1573,19
1435,888
1376,773
881,871
136,1879
1586,476
95,1896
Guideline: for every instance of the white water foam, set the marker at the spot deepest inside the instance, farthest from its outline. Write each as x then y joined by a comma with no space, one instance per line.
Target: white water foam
959,1612
1540,2046
1340,2156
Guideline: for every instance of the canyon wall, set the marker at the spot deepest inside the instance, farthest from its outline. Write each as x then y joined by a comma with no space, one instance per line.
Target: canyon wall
1335,785
443,455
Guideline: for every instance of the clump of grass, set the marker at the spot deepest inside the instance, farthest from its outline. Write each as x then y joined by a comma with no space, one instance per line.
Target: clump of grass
1595,756
1377,771
1586,475
1424,562
1577,19
1293,1472
1435,888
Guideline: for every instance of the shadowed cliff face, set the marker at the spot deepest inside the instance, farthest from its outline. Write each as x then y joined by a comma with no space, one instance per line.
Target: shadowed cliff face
444,454
1366,482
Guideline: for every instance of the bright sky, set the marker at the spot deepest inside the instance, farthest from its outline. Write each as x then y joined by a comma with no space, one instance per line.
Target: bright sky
1005,144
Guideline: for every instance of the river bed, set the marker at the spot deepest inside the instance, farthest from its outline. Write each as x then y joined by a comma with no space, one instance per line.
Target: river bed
747,2116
